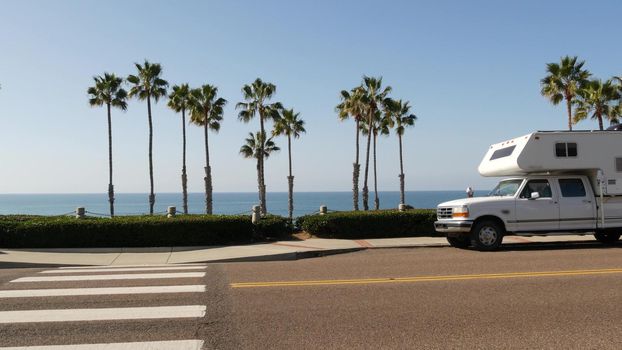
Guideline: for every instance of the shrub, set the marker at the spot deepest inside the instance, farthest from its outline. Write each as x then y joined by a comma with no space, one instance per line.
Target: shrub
370,224
140,231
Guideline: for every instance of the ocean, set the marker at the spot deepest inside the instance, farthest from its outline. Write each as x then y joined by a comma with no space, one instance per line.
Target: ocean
224,203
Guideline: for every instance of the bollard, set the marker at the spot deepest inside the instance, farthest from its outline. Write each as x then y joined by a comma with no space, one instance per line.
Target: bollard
323,209
401,207
256,214
80,213
171,211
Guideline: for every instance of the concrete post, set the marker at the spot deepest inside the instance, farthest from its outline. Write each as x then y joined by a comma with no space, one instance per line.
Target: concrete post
323,210
256,214
401,207
171,211
80,213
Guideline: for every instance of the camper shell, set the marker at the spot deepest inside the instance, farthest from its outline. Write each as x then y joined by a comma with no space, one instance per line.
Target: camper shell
559,153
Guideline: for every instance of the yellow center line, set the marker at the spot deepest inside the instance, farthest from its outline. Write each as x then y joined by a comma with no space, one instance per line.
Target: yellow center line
426,278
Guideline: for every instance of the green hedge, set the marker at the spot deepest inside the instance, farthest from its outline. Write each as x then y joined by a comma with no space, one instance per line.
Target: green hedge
135,231
370,224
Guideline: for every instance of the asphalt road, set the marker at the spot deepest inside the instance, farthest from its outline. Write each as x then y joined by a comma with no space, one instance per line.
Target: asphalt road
548,297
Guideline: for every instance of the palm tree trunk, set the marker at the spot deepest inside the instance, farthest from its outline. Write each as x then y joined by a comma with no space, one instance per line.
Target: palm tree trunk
569,110
208,170
290,180
356,171
262,180
365,188
599,115
151,194
259,181
376,200
110,186
184,176
401,176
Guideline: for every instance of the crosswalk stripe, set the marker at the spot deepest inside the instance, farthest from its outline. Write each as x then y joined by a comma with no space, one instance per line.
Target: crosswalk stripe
135,276
150,345
125,269
33,293
112,267
107,314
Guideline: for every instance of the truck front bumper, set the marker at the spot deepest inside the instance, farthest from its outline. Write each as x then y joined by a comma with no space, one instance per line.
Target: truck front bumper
447,226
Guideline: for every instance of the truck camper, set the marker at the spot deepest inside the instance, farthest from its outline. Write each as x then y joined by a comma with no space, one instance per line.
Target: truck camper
558,182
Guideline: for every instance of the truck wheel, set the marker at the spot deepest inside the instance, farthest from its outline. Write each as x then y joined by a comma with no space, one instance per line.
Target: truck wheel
486,235
459,241
607,238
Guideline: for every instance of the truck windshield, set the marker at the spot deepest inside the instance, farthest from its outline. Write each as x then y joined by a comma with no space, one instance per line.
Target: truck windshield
506,188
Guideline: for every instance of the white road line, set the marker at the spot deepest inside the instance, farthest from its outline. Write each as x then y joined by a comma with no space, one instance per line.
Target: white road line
33,293
112,267
149,345
126,269
132,276
126,313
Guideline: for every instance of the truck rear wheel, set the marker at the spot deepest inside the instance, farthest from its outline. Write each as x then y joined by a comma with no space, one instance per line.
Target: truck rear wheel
607,238
463,241
486,235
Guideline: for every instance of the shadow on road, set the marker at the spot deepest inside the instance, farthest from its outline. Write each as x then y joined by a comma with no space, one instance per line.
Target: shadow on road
556,246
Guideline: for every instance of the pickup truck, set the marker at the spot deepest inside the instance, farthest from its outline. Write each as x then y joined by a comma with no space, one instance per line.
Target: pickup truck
530,205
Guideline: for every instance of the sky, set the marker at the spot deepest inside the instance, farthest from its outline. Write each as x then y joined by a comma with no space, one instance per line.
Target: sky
471,70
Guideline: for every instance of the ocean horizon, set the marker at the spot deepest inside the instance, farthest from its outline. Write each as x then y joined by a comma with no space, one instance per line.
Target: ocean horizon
224,202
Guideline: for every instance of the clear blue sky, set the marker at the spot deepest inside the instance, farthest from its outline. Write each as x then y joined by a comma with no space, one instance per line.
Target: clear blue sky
471,70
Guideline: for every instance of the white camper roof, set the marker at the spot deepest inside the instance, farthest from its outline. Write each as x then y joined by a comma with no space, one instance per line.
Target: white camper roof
555,152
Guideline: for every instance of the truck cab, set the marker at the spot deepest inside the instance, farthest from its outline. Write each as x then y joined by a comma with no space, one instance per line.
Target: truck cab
528,205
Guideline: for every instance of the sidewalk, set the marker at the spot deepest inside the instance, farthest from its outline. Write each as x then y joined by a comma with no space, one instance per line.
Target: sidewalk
282,250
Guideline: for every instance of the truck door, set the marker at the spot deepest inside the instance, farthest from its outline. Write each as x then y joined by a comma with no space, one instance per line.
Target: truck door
576,205
537,214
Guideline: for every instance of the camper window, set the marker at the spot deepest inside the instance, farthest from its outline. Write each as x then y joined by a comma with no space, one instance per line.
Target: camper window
572,187
566,149
541,186
619,165
503,152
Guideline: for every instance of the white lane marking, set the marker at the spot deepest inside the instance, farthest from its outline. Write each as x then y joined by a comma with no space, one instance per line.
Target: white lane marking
148,345
124,313
112,267
132,276
126,269
33,293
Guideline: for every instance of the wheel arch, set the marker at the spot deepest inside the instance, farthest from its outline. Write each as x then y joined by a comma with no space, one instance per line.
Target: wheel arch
496,219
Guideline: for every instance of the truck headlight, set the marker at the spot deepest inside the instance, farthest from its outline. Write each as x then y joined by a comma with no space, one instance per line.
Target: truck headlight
460,212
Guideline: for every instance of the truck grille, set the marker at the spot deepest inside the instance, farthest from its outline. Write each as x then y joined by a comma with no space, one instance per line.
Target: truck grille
443,213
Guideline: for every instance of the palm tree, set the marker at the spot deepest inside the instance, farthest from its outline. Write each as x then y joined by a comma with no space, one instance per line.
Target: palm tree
207,111
258,147
563,82
257,95
375,97
353,105
289,125
401,118
179,101
597,98
381,124
108,91
148,85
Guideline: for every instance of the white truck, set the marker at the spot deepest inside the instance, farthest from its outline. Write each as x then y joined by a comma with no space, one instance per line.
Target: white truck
559,182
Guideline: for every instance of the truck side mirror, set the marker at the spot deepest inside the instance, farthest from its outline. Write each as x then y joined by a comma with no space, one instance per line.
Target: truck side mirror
535,195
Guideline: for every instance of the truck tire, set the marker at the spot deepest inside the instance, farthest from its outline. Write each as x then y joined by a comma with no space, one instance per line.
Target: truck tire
486,235
462,242
607,238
